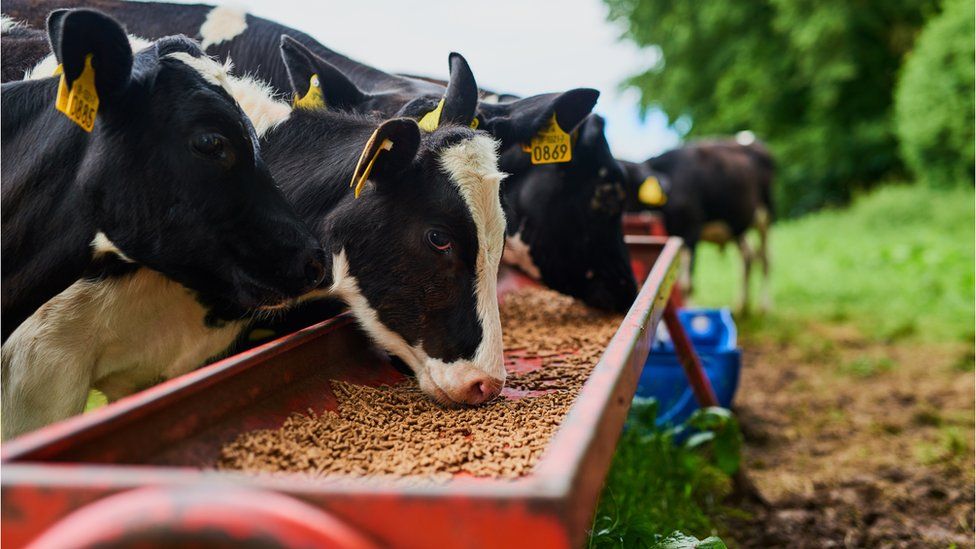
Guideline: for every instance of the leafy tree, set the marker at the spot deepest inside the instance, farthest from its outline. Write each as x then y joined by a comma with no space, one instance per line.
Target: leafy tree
813,79
934,98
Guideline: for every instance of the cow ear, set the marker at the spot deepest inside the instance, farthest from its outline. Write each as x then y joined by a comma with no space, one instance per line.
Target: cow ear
315,82
389,150
461,97
518,121
76,34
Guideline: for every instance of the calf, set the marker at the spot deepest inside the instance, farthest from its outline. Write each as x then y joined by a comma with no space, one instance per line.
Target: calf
415,256
182,191
713,191
563,225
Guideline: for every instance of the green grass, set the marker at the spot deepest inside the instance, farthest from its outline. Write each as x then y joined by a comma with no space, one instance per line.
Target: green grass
898,264
659,487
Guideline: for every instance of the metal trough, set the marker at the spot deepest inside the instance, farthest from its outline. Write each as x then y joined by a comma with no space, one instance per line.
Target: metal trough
135,470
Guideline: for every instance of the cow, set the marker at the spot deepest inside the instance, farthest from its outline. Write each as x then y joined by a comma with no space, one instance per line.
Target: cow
568,245
185,195
413,252
712,190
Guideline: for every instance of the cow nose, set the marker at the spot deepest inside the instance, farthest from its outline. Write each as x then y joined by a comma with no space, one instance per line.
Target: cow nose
315,269
482,390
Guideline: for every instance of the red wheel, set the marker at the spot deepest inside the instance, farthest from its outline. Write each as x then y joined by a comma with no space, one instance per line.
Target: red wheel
213,516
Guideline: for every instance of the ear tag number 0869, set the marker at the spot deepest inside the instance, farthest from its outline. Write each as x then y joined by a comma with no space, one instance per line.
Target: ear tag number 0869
80,104
551,145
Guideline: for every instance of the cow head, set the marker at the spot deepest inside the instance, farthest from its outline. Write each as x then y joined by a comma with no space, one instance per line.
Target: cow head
416,247
174,174
564,220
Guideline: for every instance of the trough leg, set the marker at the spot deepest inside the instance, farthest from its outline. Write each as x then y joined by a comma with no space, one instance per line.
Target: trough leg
699,382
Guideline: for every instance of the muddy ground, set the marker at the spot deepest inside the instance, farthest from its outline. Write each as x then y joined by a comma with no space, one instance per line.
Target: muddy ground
857,443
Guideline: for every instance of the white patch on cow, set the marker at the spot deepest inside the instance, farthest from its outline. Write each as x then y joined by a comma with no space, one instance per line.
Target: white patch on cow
518,254
745,138
45,67
491,98
7,23
208,68
102,245
116,335
257,100
473,167
223,23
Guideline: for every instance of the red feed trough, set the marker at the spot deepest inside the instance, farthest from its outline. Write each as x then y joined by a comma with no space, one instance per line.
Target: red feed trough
135,470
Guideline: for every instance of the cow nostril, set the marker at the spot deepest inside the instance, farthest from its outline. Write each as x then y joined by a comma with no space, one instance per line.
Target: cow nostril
483,390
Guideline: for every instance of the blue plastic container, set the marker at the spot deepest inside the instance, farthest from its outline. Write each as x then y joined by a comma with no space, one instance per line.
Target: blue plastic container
710,330
713,333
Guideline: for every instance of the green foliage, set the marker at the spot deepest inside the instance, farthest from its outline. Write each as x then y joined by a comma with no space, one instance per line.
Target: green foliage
657,485
898,264
934,105
813,79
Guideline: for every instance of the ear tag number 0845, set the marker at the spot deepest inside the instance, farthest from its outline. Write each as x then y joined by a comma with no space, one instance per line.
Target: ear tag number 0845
551,145
81,103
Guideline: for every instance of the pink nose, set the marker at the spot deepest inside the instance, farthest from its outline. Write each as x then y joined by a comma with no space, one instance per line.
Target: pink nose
483,389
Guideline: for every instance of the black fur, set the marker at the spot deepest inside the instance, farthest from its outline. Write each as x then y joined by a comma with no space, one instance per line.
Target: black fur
705,182
560,226
220,228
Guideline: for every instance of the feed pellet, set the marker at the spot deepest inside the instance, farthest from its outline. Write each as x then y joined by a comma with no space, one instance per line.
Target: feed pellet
399,431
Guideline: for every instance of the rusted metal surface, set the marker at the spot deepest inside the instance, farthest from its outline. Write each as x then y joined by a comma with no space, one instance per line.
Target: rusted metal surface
167,436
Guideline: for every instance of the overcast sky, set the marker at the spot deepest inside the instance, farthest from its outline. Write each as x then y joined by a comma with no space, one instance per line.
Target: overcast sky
521,47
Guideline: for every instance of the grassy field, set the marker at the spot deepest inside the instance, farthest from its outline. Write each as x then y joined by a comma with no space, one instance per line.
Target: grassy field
898,264
859,294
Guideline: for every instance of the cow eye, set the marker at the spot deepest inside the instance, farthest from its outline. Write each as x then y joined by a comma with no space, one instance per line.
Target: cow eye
439,241
212,146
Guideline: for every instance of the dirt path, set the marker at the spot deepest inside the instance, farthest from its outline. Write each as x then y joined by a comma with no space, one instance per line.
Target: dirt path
858,443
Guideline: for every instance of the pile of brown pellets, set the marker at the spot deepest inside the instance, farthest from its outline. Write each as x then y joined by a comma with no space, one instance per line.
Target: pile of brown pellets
399,431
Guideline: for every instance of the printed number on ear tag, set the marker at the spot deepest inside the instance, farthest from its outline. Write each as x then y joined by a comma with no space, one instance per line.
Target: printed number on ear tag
79,102
651,193
313,98
551,145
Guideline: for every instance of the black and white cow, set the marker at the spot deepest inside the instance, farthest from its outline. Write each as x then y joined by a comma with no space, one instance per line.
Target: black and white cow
415,256
569,245
714,191
183,191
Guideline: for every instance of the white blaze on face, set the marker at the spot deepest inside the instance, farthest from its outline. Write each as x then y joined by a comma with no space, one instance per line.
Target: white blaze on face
472,166
223,23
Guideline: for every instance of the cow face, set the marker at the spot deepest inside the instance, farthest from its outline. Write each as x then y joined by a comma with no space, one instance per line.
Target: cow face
176,178
565,221
416,253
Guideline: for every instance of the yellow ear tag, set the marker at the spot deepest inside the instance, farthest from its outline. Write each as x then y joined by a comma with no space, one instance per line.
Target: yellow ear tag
81,103
61,103
551,145
359,179
431,120
313,98
474,123
651,193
